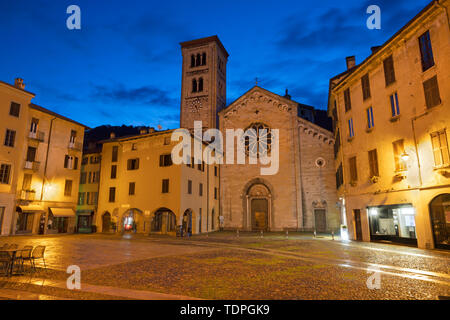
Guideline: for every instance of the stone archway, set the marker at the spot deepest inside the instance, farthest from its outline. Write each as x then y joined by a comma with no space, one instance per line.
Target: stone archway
163,221
132,221
258,206
440,220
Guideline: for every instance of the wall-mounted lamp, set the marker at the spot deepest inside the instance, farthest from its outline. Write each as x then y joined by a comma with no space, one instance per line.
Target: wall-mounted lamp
405,156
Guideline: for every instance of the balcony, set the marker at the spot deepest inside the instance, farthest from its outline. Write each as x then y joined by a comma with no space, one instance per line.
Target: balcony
38,136
77,146
32,165
28,195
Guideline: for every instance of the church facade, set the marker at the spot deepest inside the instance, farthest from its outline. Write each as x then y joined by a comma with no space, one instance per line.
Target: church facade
301,195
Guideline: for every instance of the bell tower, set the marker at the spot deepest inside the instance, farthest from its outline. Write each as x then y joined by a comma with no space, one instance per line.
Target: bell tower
203,82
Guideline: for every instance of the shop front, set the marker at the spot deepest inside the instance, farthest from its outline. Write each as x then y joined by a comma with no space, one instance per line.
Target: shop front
84,221
26,216
395,223
61,220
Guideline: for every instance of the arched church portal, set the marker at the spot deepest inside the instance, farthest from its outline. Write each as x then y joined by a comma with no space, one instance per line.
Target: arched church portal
259,204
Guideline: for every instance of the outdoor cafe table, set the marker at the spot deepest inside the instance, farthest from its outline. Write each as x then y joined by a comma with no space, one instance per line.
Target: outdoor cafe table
13,253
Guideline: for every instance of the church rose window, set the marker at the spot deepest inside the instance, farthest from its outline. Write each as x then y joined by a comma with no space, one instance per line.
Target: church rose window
260,135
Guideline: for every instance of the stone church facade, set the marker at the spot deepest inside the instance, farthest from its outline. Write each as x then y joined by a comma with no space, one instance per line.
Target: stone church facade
302,194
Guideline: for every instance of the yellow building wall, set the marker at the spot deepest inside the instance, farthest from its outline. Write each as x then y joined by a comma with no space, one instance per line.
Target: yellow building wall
414,125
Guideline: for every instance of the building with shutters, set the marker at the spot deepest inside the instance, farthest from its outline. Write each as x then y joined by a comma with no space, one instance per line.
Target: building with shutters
40,156
142,190
391,117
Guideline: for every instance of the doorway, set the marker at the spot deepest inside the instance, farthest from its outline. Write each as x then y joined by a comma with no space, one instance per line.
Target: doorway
106,222
440,221
260,212
358,229
320,220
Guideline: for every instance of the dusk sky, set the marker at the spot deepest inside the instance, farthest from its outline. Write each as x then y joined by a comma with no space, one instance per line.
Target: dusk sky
124,65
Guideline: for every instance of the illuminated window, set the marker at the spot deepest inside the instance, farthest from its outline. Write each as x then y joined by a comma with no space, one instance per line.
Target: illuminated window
370,122
351,132
395,109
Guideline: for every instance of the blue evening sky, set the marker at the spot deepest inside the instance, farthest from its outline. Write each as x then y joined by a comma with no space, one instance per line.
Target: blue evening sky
124,65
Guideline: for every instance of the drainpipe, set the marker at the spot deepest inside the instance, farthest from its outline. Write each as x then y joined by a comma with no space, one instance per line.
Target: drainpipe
207,195
415,145
45,171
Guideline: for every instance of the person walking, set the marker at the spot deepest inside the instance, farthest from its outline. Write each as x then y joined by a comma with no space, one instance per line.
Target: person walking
221,218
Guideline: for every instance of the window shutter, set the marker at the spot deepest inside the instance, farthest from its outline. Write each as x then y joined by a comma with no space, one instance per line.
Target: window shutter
347,100
66,161
161,160
75,167
444,147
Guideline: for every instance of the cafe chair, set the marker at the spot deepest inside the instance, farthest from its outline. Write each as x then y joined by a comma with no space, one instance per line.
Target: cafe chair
5,262
38,253
25,255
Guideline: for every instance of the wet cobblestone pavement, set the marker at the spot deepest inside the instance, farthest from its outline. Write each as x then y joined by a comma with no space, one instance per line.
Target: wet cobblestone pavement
222,266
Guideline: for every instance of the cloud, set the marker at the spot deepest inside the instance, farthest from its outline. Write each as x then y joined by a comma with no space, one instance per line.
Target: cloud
141,95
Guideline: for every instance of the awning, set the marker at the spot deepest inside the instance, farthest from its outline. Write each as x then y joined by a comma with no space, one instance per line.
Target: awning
62,212
31,207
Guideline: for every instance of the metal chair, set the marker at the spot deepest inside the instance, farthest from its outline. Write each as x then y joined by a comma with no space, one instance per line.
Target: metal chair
25,255
13,246
38,253
5,261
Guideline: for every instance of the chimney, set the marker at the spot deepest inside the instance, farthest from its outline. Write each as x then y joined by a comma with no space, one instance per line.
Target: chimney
351,62
112,135
287,96
18,83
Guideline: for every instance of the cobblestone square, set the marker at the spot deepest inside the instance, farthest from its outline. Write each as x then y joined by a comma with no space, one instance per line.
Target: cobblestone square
224,266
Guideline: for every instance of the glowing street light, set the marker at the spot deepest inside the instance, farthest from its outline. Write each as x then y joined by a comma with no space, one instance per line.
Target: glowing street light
405,156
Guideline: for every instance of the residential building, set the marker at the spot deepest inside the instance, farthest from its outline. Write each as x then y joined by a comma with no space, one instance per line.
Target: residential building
89,188
142,190
44,165
391,116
